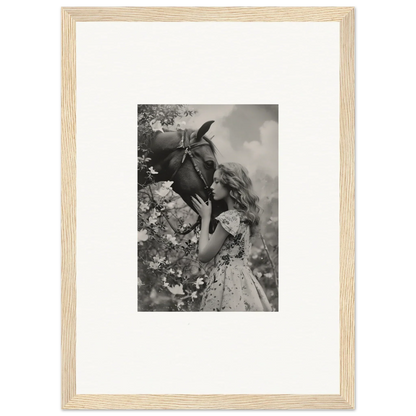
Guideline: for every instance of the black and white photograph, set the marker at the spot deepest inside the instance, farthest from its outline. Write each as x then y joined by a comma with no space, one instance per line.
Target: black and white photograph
207,208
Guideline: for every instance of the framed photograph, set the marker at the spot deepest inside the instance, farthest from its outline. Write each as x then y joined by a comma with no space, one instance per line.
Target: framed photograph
223,138
175,168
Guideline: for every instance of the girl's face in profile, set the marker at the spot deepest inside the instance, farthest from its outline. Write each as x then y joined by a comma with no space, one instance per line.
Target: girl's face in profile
219,191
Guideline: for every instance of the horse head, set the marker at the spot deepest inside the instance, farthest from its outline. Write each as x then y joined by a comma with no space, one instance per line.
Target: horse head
187,158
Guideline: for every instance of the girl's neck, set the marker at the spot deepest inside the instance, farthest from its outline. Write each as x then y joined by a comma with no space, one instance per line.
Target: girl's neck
230,203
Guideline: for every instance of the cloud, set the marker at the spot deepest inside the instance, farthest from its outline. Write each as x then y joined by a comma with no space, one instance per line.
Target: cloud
263,154
254,155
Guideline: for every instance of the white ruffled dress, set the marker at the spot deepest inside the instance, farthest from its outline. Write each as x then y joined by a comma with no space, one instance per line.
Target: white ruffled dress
231,285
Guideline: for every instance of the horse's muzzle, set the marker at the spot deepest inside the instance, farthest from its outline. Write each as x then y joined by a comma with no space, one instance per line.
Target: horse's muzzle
210,195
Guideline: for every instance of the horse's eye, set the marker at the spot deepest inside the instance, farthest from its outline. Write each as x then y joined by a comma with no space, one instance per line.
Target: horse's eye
209,164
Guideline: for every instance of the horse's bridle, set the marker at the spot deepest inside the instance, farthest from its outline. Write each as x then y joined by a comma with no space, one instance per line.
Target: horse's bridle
187,147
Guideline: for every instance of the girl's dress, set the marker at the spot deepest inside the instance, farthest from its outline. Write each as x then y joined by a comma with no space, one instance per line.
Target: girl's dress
231,285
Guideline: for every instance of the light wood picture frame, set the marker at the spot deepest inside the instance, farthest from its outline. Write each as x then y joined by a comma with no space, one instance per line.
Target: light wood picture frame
346,398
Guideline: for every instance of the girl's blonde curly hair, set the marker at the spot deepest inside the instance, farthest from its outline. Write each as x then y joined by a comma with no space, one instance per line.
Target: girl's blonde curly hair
235,178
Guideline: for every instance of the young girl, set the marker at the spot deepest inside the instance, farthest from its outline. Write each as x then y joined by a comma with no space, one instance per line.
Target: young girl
231,285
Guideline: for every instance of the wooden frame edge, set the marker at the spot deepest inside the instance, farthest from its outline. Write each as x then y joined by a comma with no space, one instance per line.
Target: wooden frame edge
70,400
206,402
347,208
201,14
68,208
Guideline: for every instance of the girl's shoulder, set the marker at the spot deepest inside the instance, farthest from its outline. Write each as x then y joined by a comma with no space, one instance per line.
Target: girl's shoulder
229,214
230,220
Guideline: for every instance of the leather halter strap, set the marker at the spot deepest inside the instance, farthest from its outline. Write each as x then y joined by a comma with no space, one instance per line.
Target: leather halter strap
187,147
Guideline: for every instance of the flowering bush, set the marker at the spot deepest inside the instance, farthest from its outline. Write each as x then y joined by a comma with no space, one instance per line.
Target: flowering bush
170,277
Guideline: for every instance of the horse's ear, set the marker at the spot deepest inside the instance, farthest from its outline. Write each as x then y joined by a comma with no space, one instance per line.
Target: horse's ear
203,129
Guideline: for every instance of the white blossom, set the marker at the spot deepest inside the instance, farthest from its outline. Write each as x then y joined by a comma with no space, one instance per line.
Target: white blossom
144,206
153,265
152,171
142,235
176,290
158,259
171,239
152,220
155,213
199,281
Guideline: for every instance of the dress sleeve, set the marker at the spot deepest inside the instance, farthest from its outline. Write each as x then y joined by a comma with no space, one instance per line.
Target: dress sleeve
230,221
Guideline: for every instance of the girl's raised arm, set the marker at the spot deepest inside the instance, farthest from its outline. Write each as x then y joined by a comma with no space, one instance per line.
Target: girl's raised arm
208,248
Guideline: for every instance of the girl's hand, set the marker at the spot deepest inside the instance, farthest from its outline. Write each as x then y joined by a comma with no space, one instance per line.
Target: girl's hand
201,207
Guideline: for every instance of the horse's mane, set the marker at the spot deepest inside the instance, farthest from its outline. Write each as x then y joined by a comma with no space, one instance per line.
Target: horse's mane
211,145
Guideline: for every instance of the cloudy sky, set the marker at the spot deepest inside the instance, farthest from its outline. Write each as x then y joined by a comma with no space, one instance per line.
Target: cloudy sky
247,134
